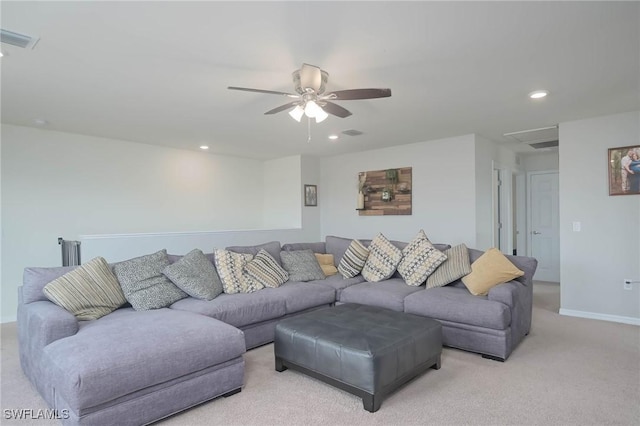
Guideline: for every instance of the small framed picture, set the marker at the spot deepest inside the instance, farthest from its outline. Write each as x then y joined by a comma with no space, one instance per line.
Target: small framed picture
311,195
624,170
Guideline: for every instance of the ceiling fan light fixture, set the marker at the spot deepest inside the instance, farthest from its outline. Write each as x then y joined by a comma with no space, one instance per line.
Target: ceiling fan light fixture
297,113
321,115
311,109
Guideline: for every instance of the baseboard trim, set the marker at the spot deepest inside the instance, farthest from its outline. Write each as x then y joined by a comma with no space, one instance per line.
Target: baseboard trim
603,317
8,319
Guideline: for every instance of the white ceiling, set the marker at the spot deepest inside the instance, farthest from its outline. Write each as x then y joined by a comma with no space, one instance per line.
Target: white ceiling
157,72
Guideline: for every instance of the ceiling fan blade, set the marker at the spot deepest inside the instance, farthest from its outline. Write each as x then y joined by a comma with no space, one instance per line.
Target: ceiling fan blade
271,92
310,77
282,108
353,94
335,109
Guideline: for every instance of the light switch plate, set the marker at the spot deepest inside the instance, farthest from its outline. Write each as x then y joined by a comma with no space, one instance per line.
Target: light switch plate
576,226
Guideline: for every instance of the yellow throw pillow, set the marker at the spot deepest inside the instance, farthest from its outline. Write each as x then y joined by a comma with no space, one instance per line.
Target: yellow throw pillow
326,263
489,270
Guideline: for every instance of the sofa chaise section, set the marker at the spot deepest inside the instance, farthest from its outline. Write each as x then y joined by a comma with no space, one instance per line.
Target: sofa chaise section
136,367
128,367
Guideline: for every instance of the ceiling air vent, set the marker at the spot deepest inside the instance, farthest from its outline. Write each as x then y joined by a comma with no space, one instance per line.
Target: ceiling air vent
545,137
540,145
352,132
19,40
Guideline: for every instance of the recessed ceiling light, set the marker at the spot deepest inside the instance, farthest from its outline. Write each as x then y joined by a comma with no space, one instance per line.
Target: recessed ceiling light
538,94
204,147
333,137
40,122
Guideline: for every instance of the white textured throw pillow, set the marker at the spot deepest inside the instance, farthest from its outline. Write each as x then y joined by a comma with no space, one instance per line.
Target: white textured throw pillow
419,259
230,267
383,259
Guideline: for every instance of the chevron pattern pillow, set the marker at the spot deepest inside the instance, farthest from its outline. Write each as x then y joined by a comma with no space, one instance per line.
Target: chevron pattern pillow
383,259
230,267
419,260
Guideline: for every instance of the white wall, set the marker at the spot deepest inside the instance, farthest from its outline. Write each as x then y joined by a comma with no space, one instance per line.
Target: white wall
311,215
126,199
542,161
444,192
595,261
282,200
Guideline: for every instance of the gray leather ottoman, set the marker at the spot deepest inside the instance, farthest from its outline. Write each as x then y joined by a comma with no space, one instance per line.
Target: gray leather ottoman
365,350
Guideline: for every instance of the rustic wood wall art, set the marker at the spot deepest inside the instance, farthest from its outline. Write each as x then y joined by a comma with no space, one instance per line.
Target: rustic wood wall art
386,192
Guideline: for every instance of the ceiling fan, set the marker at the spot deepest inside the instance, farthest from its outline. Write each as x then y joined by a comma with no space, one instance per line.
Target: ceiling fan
310,99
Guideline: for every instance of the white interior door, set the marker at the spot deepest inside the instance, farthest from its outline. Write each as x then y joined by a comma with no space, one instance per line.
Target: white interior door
544,230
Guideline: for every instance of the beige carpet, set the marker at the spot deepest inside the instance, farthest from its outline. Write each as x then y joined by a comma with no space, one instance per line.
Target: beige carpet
568,371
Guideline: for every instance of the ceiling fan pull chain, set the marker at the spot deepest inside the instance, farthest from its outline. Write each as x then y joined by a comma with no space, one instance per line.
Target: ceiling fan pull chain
308,130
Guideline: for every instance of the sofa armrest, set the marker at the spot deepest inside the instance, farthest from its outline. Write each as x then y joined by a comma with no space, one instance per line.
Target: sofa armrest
41,323
518,296
506,293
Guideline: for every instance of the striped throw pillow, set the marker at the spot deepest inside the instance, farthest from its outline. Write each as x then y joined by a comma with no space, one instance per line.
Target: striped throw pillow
89,292
353,259
455,267
265,269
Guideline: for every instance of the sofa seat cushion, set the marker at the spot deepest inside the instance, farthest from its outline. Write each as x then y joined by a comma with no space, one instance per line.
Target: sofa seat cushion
456,304
127,351
339,283
388,294
237,309
299,296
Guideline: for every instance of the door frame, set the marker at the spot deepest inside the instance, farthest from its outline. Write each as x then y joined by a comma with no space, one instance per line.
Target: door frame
502,207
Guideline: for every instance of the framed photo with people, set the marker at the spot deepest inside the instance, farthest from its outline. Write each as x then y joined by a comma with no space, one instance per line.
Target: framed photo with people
624,170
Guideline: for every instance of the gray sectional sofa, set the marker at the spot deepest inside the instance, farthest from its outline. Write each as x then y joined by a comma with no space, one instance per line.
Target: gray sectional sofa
135,367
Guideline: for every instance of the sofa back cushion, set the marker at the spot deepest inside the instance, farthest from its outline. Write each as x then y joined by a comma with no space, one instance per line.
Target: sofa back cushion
34,280
319,247
272,247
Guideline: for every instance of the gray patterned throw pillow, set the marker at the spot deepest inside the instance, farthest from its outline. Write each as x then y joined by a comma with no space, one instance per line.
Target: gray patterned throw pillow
302,265
143,283
195,275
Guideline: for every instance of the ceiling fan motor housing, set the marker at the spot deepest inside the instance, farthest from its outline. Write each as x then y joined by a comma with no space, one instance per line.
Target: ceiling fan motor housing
310,77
